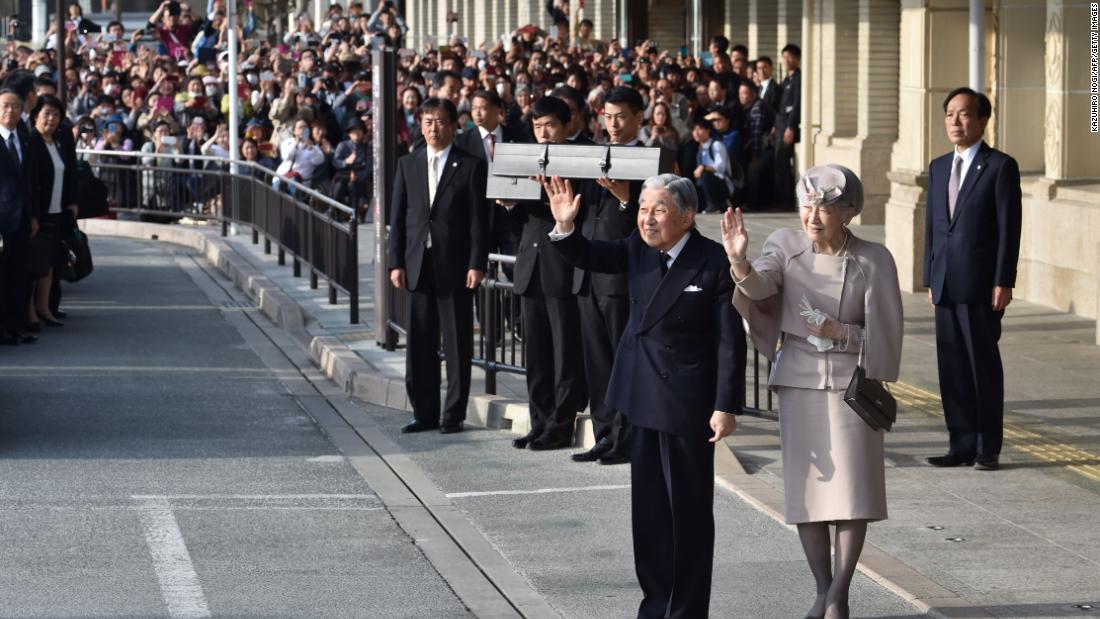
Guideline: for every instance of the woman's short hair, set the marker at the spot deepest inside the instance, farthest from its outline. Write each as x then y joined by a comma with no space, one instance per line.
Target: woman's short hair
682,190
830,184
47,101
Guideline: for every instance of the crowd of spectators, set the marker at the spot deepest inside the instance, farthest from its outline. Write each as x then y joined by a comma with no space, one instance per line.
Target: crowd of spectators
305,95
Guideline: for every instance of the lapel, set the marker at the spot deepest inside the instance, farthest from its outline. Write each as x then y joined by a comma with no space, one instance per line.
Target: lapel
450,167
977,167
11,156
662,292
420,177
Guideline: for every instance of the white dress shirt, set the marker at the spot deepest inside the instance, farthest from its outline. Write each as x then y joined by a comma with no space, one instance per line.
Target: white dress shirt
967,158
498,135
442,156
675,250
58,179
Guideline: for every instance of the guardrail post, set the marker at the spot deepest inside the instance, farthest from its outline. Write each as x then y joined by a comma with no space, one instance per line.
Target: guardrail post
489,334
312,279
282,257
267,245
353,284
331,294
255,232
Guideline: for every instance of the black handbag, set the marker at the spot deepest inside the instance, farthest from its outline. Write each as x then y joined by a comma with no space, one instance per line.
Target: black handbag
77,244
92,193
870,399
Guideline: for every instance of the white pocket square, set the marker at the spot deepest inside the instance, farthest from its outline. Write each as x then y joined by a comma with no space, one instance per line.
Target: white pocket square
693,288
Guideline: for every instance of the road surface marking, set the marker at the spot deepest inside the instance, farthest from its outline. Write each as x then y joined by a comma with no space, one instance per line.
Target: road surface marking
179,584
1019,437
464,495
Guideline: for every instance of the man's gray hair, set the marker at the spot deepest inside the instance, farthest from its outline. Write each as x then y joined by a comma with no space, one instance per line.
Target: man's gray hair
682,190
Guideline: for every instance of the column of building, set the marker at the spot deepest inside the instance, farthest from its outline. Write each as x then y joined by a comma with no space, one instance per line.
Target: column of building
762,27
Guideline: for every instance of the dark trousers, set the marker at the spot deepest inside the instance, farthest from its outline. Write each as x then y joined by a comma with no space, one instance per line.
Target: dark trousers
555,379
784,171
760,180
971,377
15,282
603,320
432,315
713,192
672,509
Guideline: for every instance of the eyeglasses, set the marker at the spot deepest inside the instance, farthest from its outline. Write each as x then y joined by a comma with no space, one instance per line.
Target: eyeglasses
11,106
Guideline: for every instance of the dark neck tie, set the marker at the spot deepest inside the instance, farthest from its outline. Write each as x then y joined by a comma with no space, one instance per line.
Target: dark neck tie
664,263
492,146
14,150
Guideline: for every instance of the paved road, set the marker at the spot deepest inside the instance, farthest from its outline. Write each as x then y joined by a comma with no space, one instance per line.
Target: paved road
152,464
159,460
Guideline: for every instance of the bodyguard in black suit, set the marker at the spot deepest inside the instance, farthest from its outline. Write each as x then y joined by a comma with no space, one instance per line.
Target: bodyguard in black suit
770,92
609,213
551,320
971,245
437,249
788,120
486,110
679,376
17,222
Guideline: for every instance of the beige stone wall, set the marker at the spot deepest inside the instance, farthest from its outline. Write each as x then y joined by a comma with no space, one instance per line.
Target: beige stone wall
1020,93
1060,247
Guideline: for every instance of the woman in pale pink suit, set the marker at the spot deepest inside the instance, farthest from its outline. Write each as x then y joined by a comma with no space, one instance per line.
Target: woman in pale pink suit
833,464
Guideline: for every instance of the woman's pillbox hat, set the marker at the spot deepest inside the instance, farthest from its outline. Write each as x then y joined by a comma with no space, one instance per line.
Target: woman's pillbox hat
830,184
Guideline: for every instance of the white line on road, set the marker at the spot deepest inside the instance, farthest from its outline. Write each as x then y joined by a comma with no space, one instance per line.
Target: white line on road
179,584
463,495
253,497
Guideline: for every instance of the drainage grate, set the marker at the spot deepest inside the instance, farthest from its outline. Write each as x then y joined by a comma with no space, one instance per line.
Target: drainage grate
187,253
238,305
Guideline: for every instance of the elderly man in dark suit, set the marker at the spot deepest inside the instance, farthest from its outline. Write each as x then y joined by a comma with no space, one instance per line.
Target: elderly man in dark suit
17,219
437,249
971,245
678,377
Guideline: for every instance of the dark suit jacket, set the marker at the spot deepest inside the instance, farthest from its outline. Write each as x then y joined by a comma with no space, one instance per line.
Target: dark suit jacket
534,252
44,173
789,113
774,95
682,355
470,141
966,256
18,196
602,218
458,219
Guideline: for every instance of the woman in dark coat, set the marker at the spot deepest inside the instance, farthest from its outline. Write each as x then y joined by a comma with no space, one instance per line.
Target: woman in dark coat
54,154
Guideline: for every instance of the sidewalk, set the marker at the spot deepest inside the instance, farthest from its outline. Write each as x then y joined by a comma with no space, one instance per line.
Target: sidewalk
1020,542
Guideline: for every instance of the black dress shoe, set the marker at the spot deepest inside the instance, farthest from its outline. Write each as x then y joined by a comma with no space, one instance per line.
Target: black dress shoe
615,457
451,428
987,463
35,327
593,454
51,323
419,426
59,314
546,443
523,441
26,338
950,459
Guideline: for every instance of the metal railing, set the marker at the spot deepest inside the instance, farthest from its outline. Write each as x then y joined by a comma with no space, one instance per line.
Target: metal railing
500,346
312,227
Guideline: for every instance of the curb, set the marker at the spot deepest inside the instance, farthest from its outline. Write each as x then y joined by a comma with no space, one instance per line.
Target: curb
360,379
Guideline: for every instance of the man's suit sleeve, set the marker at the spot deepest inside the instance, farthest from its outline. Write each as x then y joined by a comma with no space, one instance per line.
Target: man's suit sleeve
398,213
928,222
597,256
1009,216
794,119
479,217
732,348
